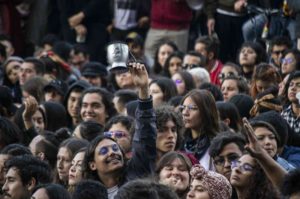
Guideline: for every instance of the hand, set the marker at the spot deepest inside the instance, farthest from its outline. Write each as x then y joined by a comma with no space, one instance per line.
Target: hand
31,106
253,147
143,22
239,5
140,78
211,26
80,29
76,19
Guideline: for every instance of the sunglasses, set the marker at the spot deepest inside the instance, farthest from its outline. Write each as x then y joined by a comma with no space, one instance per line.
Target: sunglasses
243,167
104,150
287,60
225,75
178,81
278,52
220,161
190,66
115,134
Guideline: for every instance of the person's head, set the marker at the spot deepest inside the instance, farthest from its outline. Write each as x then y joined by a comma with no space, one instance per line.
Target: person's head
290,61
11,68
122,80
184,82
225,148
50,191
23,174
121,128
79,55
63,50
5,41
73,97
94,73
55,91
291,184
213,89
292,87
173,170
65,155
164,49
208,185
208,47
229,69
88,130
162,89
251,54
200,76
146,188
230,115
200,113
193,59
267,136
34,87
278,45
76,171
121,98
96,104
173,63
48,41
169,129
104,159
135,44
232,86
244,103
30,68
9,152
9,133
89,189
264,76
7,106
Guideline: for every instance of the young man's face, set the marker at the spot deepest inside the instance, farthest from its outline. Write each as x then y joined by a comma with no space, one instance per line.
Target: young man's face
27,72
293,89
13,187
277,52
222,162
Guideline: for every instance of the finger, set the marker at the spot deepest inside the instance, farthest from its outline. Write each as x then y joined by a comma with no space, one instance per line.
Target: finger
250,151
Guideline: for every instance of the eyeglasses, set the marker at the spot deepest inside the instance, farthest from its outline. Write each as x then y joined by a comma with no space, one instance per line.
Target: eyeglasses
104,150
190,66
243,167
115,134
225,75
189,107
220,161
178,81
287,60
278,52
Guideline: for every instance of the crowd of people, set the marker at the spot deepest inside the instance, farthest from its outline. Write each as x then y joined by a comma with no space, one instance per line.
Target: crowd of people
206,114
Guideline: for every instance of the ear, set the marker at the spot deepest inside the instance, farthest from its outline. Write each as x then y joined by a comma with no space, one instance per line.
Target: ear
92,166
41,156
31,184
227,121
210,55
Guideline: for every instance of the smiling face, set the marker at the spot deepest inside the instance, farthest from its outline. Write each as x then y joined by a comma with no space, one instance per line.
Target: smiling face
267,140
175,175
108,158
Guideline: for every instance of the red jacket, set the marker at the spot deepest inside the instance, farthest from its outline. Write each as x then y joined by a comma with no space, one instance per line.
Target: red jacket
170,14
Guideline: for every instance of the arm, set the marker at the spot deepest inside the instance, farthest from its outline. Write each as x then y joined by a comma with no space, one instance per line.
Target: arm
268,164
210,7
144,140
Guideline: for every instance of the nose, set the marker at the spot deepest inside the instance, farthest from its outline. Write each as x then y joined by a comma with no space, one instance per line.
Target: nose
191,194
59,164
72,169
227,163
4,187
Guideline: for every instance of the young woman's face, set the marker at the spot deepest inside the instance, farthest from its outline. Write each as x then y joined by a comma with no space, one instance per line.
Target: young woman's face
267,140
197,190
191,114
157,94
175,65
38,121
124,80
229,88
12,71
180,84
75,171
288,63
242,172
63,164
163,53
175,175
247,57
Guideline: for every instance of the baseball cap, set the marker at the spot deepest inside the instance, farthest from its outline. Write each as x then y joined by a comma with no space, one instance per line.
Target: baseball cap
135,38
58,85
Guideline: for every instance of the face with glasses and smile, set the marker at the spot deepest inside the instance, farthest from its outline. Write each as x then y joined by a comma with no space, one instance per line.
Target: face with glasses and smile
107,158
242,171
231,152
288,63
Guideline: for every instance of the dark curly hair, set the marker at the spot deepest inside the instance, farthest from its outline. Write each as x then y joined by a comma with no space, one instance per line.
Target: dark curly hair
291,183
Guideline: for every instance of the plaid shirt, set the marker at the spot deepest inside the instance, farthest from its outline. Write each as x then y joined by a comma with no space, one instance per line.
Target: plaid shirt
291,119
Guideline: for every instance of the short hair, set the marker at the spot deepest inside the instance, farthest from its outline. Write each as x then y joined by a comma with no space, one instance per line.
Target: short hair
235,66
167,87
106,99
126,121
15,150
292,76
224,138
29,167
90,129
35,87
241,83
125,96
281,41
261,54
291,183
196,54
9,133
163,115
200,73
213,89
90,189
62,49
39,66
79,48
212,44
138,189
54,191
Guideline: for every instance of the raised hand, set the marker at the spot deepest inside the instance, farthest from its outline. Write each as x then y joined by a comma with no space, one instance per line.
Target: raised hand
31,106
140,78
